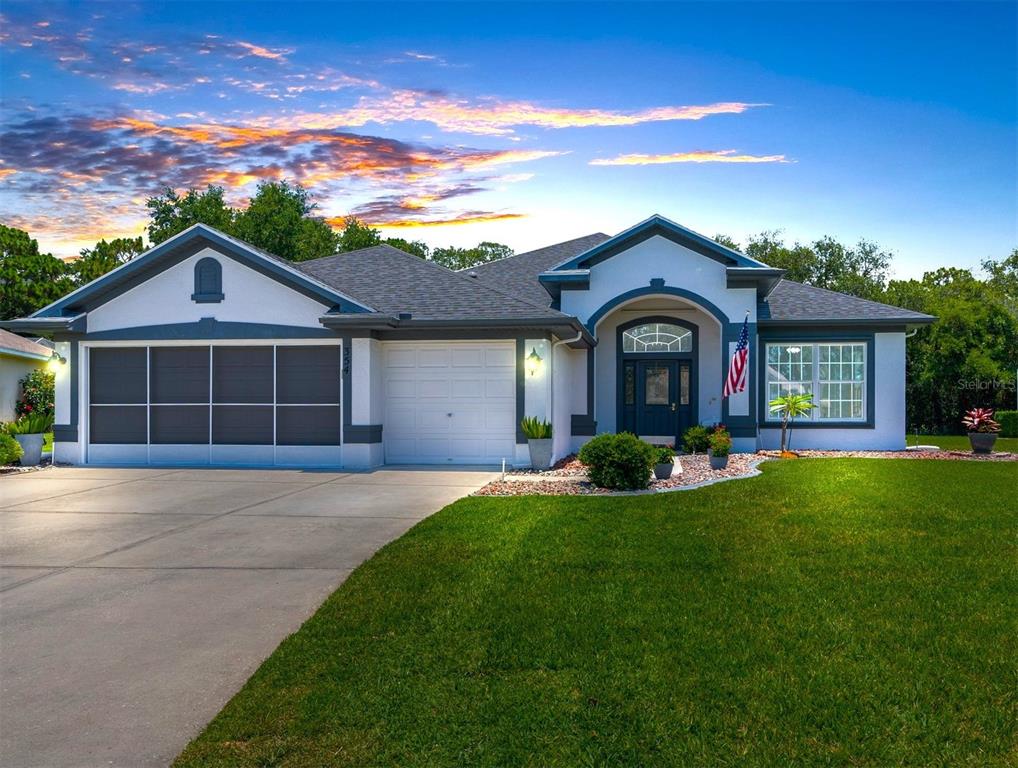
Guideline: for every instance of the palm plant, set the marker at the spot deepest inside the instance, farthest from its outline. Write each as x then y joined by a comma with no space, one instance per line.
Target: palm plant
791,406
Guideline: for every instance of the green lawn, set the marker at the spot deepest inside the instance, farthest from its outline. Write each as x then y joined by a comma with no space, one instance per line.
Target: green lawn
47,444
830,612
961,442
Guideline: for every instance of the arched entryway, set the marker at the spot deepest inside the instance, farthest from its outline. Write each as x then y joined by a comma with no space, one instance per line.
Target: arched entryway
657,377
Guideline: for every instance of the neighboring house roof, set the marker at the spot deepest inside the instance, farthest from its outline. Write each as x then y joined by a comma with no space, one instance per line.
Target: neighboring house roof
392,281
518,274
13,345
791,303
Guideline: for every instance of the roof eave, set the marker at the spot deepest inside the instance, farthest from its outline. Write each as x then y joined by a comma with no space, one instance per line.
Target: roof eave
66,323
842,322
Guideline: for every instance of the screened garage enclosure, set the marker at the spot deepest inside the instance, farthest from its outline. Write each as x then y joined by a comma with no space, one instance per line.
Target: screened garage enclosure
215,404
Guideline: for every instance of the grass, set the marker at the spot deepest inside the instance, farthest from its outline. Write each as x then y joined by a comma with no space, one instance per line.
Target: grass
961,442
47,443
830,612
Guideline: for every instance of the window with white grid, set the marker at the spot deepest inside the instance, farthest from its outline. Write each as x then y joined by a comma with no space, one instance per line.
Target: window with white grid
833,372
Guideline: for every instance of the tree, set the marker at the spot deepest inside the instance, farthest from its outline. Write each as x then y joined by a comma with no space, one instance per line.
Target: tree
29,280
462,258
1004,279
280,220
357,235
728,242
170,213
791,407
105,256
413,247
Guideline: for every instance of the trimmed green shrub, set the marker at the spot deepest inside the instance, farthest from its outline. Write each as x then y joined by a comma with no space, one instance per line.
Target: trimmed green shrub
621,462
10,451
36,393
1008,421
535,429
696,439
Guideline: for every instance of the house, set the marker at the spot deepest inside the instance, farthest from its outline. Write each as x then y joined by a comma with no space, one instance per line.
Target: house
208,350
18,357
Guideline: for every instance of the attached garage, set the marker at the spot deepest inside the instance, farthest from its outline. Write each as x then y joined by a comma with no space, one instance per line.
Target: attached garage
215,404
449,403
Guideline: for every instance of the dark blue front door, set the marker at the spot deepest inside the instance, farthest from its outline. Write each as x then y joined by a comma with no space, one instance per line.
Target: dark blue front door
657,398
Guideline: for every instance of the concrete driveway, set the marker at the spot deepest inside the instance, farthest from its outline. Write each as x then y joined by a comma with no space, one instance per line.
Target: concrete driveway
135,602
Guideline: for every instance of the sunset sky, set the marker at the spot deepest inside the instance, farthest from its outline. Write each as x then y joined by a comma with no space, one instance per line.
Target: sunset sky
526,124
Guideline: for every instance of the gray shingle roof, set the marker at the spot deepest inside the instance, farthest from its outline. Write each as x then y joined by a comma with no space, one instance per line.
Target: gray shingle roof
518,274
392,281
791,302
20,346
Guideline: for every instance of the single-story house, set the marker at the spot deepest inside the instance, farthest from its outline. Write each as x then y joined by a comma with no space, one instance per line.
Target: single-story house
205,349
18,357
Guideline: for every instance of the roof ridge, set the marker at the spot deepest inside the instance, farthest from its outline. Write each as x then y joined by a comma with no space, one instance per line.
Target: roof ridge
535,250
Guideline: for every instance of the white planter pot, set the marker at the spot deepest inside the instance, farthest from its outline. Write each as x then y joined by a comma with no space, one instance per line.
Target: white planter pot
540,453
32,446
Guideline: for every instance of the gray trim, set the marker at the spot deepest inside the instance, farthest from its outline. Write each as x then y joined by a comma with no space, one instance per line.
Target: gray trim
885,325
362,433
207,298
813,335
764,280
521,387
208,294
745,425
207,329
66,324
346,366
582,426
65,433
390,328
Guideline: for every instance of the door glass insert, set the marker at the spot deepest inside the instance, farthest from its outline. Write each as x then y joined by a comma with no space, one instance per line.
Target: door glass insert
657,337
656,385
629,384
684,385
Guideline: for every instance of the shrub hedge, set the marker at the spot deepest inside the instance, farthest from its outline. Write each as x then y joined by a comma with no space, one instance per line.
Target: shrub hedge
1008,421
10,451
621,462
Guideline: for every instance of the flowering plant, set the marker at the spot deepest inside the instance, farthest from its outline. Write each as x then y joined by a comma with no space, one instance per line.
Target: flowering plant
720,441
36,394
980,420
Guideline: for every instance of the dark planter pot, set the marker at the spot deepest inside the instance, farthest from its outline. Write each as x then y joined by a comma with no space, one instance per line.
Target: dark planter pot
717,462
982,442
663,471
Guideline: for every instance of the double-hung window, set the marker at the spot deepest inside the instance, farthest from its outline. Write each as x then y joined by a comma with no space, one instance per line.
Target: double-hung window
833,372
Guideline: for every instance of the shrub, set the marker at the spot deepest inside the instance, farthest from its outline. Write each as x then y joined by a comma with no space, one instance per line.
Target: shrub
1008,421
694,440
36,393
32,424
720,441
664,454
535,429
620,462
10,451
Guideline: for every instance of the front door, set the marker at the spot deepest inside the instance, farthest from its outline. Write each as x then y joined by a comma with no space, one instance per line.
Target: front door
658,397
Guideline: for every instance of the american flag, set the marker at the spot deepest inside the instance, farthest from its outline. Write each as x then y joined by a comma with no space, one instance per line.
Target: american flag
736,381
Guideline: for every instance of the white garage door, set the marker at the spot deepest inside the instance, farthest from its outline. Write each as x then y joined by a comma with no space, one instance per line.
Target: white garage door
449,403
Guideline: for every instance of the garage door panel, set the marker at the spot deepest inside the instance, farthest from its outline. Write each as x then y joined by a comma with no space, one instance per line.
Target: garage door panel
431,420
434,389
307,425
500,357
500,420
183,424
499,388
242,424
401,358
118,425
468,357
307,374
468,388
395,388
242,374
432,358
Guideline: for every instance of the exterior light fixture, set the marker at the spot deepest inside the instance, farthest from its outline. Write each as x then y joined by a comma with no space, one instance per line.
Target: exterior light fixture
533,362
55,361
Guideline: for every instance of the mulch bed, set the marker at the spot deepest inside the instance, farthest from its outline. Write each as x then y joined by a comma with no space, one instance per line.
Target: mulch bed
569,476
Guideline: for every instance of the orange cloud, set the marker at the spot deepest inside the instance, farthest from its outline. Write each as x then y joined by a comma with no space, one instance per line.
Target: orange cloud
463,218
699,156
263,53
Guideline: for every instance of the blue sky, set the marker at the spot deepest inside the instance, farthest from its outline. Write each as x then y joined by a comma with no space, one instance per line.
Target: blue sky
525,123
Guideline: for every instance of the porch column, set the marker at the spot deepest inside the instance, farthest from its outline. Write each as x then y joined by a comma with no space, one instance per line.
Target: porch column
362,403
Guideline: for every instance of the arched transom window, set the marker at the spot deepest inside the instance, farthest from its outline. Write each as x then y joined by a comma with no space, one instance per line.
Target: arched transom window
657,337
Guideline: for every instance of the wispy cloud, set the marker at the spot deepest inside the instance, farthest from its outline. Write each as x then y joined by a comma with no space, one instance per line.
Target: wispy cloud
468,217
698,156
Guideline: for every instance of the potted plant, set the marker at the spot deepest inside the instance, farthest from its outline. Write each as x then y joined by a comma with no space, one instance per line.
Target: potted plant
664,462
982,429
720,445
538,435
30,432
790,406
694,439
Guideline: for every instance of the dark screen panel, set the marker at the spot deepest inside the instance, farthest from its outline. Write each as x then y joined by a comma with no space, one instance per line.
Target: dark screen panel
117,375
242,424
307,425
115,424
179,424
242,374
179,374
307,374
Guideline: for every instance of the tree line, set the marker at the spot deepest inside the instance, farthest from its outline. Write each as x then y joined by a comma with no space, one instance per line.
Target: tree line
966,359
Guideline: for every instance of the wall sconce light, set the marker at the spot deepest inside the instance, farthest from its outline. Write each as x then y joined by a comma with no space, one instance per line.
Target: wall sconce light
55,361
533,362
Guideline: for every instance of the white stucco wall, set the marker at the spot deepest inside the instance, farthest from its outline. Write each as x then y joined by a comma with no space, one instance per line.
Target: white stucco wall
564,390
676,264
888,432
250,297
